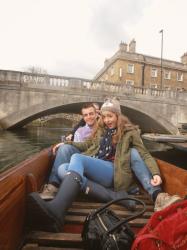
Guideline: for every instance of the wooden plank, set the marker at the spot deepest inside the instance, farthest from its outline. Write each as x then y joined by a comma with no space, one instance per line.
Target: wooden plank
57,248
35,246
69,239
73,219
143,196
55,239
31,247
121,213
91,205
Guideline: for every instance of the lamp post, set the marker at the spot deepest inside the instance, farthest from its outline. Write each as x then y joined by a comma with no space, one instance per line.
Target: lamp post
161,77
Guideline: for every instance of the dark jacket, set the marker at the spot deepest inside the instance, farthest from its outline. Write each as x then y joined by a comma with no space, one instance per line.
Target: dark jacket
123,177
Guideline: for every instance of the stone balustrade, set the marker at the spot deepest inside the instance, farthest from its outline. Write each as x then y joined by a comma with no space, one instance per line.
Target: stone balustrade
30,80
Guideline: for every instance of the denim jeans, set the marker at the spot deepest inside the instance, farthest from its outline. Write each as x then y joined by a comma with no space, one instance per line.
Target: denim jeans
142,172
63,155
91,168
102,171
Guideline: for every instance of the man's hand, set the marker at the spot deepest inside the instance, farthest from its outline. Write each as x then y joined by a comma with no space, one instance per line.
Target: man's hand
69,137
55,148
156,180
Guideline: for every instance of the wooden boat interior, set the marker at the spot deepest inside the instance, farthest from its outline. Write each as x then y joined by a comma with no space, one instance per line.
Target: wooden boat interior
30,175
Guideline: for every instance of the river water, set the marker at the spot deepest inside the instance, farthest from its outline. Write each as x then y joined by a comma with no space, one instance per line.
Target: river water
17,145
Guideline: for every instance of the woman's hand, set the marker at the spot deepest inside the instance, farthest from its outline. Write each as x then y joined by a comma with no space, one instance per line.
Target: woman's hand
156,180
55,148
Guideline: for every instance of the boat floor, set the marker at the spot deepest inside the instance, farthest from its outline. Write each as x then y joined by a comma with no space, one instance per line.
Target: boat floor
70,238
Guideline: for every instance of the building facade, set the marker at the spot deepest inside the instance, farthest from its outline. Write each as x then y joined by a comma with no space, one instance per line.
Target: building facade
134,69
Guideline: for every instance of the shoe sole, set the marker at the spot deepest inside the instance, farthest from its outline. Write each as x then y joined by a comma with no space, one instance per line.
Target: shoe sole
46,198
39,216
167,205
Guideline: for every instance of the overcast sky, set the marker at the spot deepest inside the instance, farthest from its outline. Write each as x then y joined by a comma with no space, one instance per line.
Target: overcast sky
73,37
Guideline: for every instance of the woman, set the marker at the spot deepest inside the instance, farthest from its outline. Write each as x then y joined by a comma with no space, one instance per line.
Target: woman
105,161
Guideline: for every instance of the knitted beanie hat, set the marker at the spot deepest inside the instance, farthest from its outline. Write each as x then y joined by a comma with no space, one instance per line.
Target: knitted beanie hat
111,105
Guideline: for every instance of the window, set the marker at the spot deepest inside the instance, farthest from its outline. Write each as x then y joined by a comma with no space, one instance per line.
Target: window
167,75
179,77
129,82
120,72
130,68
153,72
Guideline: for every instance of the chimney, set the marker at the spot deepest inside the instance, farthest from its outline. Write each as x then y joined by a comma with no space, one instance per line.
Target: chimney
132,46
123,47
184,58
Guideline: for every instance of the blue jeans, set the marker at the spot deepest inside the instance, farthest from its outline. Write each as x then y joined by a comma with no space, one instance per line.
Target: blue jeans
142,172
63,155
91,168
102,171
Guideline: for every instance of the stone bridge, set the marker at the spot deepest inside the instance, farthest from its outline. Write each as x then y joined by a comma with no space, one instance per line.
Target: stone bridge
26,96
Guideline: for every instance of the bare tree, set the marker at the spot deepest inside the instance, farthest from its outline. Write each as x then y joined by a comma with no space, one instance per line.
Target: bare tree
36,70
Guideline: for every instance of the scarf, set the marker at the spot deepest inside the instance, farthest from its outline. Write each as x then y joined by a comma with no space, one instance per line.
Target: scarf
105,148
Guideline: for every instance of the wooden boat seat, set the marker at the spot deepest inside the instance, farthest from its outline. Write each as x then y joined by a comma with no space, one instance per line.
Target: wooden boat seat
70,238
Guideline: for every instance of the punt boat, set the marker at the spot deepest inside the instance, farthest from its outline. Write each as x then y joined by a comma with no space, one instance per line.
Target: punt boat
165,137
30,175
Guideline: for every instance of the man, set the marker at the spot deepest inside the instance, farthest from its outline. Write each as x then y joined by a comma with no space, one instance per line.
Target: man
82,123
65,151
89,115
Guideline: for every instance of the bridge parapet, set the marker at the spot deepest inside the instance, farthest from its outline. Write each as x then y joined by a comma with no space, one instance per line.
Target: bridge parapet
43,81
23,98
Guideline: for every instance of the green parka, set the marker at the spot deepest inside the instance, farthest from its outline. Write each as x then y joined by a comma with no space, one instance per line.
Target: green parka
123,177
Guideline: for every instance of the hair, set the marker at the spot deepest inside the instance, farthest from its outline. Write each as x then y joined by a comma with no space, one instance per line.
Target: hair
123,125
88,105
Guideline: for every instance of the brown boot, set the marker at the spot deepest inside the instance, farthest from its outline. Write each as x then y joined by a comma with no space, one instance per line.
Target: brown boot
163,200
49,192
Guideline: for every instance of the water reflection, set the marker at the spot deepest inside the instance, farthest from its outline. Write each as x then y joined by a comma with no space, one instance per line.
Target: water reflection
18,145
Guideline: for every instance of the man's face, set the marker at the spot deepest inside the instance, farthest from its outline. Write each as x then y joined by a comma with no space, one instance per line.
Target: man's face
89,116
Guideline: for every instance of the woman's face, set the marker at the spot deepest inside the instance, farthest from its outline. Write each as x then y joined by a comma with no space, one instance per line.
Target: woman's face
110,119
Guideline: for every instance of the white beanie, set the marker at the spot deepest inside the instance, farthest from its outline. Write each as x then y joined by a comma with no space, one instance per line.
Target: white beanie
111,105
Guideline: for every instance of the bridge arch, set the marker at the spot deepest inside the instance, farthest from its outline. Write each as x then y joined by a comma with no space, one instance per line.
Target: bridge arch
146,122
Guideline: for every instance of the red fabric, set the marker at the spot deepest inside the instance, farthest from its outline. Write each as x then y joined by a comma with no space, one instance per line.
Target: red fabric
165,230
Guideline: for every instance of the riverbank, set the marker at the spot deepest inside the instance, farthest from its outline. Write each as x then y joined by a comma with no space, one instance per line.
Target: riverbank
56,121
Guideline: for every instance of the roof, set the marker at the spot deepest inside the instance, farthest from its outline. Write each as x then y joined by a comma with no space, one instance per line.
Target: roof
141,58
